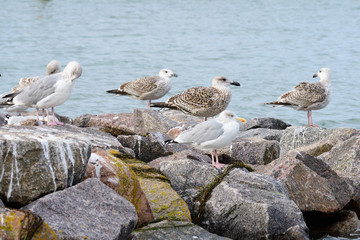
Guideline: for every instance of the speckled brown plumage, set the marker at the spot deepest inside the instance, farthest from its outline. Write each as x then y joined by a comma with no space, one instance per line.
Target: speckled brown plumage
202,101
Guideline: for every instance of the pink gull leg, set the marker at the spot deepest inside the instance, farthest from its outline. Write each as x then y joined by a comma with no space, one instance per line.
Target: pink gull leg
217,164
309,115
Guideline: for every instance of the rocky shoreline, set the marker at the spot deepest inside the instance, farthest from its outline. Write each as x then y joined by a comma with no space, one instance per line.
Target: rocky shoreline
112,177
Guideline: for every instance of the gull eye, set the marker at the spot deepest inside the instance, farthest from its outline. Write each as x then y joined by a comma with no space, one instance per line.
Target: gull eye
166,71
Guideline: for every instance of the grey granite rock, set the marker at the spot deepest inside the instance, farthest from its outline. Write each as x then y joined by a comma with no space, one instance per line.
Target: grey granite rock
235,203
270,123
174,230
88,210
39,160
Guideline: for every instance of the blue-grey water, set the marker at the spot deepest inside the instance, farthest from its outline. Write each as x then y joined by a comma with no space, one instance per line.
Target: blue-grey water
268,46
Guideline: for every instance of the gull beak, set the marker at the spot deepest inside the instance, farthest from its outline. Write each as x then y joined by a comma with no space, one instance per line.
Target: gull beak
235,83
241,119
174,75
315,75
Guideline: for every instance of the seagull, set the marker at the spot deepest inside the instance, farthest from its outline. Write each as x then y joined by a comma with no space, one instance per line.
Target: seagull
202,101
147,88
211,135
52,68
308,96
49,91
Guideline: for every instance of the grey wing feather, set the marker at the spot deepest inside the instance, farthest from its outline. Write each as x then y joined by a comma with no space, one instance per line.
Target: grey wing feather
38,90
203,132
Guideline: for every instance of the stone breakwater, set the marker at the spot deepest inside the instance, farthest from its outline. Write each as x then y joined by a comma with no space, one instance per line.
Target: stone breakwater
112,177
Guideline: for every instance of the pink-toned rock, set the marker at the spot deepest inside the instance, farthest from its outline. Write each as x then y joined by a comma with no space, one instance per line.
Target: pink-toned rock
116,124
18,224
115,174
311,183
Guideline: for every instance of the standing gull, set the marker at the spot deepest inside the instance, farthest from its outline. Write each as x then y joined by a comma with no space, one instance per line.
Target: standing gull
49,91
147,88
52,68
308,96
202,101
211,135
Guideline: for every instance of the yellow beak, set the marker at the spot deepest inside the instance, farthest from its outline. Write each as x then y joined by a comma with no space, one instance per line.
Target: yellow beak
241,119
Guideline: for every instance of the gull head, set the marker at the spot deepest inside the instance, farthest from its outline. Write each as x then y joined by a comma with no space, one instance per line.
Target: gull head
222,81
52,67
228,115
323,74
72,71
167,73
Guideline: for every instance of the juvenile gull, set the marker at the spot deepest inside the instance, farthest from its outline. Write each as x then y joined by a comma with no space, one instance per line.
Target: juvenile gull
49,91
211,135
308,96
147,88
202,101
52,68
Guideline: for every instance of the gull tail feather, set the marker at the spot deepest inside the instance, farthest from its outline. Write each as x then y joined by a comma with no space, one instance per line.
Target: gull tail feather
163,105
117,92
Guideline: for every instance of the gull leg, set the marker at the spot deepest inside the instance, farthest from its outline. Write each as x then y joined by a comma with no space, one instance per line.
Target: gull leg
148,104
37,114
43,114
212,159
217,164
54,123
309,115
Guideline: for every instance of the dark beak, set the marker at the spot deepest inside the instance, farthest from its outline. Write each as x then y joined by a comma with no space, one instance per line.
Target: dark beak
174,75
235,83
315,75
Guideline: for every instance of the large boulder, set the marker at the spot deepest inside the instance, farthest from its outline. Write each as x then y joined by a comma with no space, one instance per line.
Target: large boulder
40,160
165,203
251,151
115,174
236,203
89,209
18,224
150,147
265,133
116,124
299,136
178,230
311,183
269,123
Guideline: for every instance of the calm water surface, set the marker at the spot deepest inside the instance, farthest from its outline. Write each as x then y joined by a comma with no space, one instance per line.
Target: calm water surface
267,46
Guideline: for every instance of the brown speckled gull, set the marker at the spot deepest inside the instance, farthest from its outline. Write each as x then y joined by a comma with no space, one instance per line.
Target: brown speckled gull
202,101
308,96
147,88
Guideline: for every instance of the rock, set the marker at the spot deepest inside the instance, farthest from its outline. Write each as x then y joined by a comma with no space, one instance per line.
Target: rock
164,201
311,183
3,119
189,153
166,230
83,120
18,224
270,123
251,151
268,134
116,124
325,145
342,223
294,137
88,209
45,232
147,121
115,174
344,158
40,160
150,147
236,203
